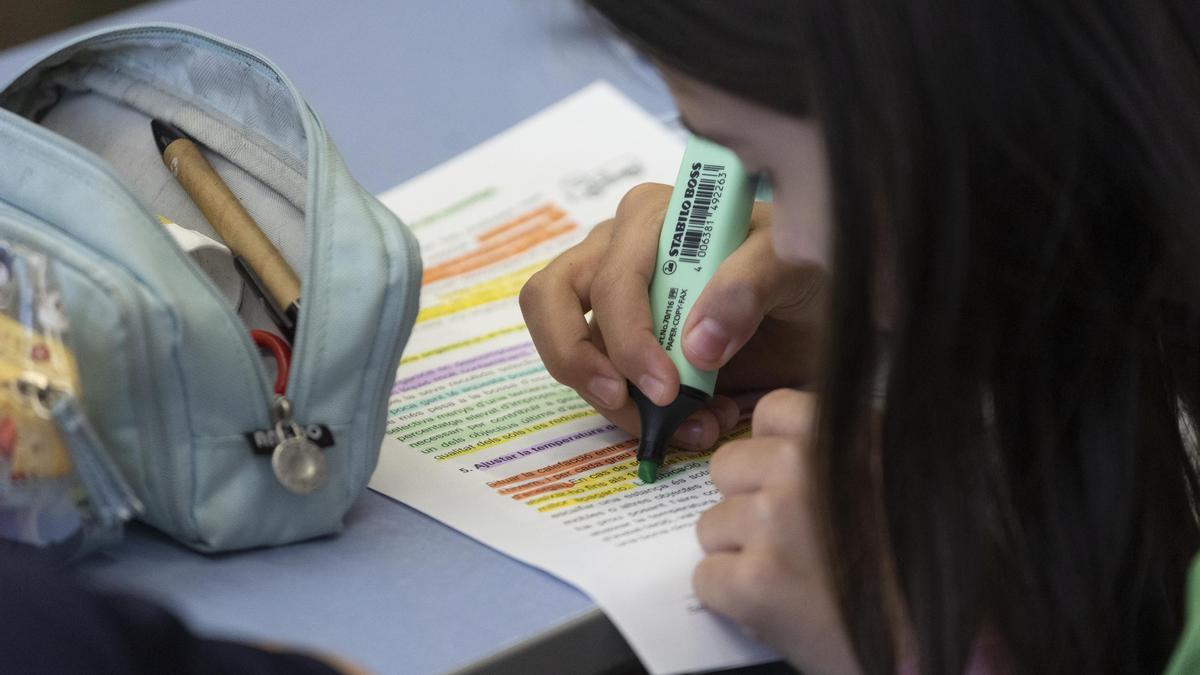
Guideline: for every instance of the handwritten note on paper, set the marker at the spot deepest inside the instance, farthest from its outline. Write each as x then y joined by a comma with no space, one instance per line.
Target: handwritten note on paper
482,438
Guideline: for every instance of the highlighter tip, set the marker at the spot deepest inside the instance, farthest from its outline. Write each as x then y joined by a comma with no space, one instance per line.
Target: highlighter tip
648,470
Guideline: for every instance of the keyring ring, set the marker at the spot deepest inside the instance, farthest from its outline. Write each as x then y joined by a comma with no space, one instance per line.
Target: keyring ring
280,351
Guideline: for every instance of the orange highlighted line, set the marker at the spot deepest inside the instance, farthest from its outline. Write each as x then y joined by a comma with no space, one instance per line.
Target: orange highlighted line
559,466
507,239
550,211
563,475
494,253
543,489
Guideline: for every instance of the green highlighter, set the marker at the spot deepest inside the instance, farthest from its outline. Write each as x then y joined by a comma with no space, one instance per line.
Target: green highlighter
707,219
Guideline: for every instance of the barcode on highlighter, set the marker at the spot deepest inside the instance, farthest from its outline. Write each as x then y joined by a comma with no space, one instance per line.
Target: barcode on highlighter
693,247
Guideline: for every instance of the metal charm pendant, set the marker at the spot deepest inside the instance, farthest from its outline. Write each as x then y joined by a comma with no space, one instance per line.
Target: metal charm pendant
300,465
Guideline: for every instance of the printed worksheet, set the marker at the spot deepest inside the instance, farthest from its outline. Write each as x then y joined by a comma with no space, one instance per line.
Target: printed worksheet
483,439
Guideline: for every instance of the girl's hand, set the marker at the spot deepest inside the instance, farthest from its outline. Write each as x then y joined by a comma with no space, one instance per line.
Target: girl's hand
757,320
764,566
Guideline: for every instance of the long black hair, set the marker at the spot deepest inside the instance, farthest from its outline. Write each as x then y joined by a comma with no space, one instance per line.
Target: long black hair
1035,169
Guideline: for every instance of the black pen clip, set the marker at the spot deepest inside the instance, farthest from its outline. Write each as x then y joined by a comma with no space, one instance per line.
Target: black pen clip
284,320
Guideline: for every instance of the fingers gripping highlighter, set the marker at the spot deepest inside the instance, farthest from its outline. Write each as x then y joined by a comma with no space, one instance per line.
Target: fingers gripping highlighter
707,218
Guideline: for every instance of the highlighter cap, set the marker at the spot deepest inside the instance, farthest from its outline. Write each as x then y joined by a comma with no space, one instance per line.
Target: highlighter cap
659,424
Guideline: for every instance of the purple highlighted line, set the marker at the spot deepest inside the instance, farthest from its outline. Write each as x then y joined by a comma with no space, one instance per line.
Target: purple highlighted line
485,360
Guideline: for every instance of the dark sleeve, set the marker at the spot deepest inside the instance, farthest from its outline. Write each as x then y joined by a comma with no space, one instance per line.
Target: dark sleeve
51,624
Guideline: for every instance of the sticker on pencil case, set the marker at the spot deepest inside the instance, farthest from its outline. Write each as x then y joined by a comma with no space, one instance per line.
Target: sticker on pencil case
45,496
32,353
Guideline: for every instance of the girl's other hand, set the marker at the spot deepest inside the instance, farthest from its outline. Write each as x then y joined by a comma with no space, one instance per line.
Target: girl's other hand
757,320
764,566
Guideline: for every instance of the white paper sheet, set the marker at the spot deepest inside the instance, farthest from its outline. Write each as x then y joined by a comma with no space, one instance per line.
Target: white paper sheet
483,439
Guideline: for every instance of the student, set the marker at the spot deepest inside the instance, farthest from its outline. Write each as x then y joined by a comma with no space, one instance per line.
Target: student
983,258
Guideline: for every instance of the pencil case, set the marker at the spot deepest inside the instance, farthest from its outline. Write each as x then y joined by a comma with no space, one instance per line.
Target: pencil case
179,395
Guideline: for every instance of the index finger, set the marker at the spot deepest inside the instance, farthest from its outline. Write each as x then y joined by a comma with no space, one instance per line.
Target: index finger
553,303
620,295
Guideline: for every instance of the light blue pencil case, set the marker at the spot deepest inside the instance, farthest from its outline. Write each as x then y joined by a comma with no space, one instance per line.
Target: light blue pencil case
179,395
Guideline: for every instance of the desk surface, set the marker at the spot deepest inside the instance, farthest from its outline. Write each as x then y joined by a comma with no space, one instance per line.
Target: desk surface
401,86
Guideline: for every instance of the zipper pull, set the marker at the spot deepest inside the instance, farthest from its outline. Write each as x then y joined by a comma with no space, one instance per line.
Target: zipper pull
111,498
297,461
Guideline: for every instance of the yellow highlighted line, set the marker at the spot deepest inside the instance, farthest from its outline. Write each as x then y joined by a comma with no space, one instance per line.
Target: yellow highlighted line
500,288
607,482
605,477
462,343
607,492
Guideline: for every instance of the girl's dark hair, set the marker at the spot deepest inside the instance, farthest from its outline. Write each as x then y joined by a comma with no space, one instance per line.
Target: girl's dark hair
1035,168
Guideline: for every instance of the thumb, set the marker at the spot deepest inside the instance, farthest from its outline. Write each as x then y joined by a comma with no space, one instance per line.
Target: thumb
750,284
